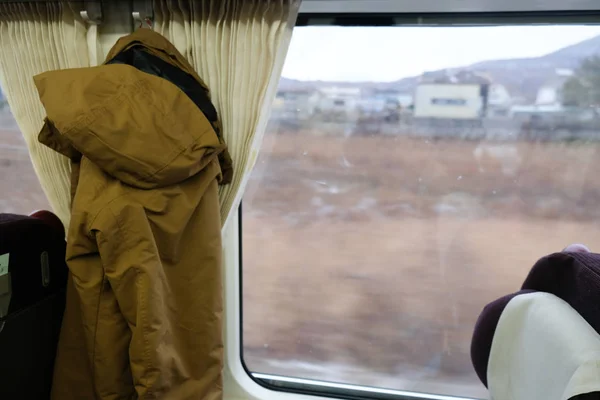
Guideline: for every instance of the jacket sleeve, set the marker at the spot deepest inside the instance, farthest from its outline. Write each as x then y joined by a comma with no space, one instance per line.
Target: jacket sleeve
92,325
133,270
173,332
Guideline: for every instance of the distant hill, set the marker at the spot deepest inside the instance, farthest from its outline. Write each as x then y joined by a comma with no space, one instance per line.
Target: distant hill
572,55
521,76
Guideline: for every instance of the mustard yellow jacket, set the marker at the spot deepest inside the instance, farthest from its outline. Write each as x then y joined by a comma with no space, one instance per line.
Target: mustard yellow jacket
144,309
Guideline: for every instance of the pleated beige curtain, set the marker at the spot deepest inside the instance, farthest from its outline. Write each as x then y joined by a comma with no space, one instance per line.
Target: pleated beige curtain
37,37
238,47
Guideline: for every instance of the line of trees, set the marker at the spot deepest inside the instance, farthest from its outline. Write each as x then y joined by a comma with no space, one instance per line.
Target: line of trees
583,89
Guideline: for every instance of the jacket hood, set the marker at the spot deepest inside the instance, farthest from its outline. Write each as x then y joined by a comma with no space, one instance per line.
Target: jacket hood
158,50
140,128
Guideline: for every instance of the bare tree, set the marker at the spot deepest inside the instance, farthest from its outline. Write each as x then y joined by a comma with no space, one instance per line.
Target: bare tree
583,89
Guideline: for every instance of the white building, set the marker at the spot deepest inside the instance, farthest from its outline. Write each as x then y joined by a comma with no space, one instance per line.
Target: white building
295,103
448,101
499,101
551,92
382,100
498,95
337,100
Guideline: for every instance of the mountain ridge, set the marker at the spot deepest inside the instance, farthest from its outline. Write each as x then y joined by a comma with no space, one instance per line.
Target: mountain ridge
533,72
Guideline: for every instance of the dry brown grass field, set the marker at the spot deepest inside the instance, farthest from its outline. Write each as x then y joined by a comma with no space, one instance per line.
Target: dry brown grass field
20,190
368,259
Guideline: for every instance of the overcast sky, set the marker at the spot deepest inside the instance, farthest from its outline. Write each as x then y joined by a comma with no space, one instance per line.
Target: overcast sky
387,54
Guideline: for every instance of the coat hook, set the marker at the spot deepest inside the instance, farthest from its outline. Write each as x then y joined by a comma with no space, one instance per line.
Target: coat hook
92,12
142,17
142,22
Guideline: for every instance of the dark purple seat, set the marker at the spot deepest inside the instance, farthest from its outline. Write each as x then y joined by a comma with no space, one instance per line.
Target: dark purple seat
573,277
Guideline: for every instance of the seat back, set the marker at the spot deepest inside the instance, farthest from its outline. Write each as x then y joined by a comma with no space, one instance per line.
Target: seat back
33,277
518,337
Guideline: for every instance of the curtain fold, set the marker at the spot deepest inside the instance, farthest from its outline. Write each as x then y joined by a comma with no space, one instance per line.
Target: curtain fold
37,37
238,47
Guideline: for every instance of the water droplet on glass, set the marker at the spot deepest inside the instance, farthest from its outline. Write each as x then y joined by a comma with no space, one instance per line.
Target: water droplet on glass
266,345
459,178
420,179
305,153
494,192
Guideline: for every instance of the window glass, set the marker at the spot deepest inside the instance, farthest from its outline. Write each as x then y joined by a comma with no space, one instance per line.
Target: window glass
20,190
409,176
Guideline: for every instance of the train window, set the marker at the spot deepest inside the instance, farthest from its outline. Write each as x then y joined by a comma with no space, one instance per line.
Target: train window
20,190
409,176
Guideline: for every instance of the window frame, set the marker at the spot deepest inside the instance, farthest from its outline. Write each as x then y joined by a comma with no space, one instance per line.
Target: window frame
436,6
240,381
